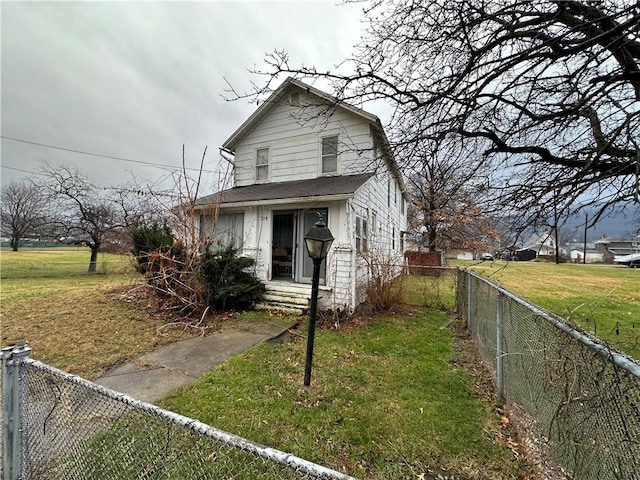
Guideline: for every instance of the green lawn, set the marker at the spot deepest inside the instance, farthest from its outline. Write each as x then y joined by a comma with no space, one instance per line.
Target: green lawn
390,396
385,402
601,299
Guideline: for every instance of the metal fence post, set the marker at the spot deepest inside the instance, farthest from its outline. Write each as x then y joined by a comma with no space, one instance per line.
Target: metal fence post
499,352
12,427
469,296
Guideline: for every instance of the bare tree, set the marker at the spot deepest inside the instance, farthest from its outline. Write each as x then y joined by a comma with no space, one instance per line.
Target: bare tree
175,273
448,194
24,211
549,88
84,213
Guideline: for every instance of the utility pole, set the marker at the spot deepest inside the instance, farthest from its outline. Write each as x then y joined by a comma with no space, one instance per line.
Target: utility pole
584,250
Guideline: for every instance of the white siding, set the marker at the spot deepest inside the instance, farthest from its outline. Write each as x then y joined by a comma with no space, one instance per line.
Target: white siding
294,144
295,154
344,281
390,221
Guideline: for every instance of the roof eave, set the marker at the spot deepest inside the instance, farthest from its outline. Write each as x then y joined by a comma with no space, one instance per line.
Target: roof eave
279,201
263,109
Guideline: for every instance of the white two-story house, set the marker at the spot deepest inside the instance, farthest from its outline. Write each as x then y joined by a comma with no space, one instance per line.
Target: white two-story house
304,153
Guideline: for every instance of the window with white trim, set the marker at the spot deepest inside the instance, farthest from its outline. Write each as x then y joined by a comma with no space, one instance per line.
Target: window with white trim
330,154
227,230
262,164
374,223
362,243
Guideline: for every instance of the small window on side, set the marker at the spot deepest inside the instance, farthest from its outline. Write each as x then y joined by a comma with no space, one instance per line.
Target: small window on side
362,234
374,223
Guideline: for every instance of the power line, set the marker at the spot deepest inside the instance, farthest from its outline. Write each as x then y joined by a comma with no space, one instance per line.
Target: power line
141,162
20,170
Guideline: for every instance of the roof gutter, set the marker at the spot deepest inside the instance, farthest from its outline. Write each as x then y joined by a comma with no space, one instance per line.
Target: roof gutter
227,155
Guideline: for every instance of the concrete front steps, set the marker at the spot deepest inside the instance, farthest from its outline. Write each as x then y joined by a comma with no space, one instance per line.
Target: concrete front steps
286,297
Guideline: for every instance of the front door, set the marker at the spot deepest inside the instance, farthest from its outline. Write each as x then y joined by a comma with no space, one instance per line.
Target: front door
307,219
290,260
284,245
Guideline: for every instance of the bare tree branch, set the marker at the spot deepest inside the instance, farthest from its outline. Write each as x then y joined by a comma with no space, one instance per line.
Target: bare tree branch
549,90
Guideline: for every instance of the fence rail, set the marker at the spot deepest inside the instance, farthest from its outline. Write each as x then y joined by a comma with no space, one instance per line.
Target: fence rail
58,425
583,395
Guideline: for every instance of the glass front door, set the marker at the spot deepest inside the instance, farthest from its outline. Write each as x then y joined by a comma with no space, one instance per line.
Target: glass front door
307,219
284,246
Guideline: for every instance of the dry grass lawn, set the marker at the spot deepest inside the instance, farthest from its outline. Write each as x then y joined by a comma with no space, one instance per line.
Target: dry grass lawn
76,325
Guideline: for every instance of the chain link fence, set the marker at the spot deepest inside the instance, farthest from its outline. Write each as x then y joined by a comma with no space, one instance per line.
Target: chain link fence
584,397
57,425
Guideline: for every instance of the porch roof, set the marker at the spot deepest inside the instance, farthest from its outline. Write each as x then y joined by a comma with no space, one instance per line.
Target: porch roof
344,185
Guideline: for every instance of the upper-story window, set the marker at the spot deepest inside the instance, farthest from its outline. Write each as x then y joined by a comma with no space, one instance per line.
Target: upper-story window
330,154
262,164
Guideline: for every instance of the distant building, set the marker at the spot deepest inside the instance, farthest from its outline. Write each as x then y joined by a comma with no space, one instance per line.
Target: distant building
620,245
592,256
539,245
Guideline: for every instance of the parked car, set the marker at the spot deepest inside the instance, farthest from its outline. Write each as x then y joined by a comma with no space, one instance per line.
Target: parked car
632,260
486,257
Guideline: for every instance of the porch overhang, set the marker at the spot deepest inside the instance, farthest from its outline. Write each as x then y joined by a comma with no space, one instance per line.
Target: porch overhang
279,201
313,190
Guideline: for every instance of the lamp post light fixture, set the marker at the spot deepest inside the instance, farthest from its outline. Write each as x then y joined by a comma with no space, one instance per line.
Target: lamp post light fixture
318,241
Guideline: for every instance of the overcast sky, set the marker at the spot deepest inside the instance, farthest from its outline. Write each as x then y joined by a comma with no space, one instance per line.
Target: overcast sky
139,80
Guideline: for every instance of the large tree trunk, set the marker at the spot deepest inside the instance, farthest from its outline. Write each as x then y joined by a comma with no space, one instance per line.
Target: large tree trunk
15,242
94,257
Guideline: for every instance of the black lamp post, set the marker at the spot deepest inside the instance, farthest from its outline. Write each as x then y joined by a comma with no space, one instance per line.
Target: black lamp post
318,241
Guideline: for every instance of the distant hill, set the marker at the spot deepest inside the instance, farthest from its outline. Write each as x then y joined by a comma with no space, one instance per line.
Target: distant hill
613,224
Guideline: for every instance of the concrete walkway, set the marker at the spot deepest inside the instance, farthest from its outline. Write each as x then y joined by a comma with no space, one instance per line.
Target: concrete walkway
156,374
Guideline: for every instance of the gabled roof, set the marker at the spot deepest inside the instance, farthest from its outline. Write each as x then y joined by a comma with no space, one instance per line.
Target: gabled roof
537,247
340,187
278,95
